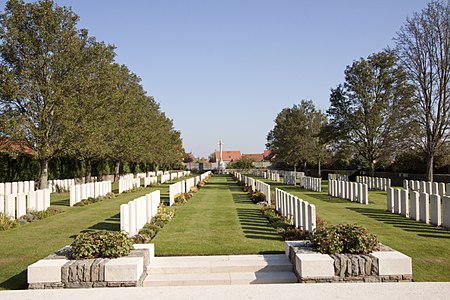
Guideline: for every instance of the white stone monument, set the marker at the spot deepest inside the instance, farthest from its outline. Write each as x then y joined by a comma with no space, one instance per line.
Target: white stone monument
221,166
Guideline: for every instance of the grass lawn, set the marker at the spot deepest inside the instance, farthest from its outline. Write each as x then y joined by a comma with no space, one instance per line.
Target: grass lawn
219,220
428,245
25,244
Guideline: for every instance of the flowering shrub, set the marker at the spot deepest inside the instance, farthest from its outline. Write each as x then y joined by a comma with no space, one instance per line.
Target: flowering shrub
344,238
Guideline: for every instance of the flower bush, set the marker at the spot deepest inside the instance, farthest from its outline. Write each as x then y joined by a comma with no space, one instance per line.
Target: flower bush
101,244
344,238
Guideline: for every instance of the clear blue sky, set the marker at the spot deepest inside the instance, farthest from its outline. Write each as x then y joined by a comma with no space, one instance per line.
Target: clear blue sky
224,69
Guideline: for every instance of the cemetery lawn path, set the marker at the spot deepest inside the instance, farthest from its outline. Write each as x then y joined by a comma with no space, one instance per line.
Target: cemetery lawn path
428,246
219,220
26,244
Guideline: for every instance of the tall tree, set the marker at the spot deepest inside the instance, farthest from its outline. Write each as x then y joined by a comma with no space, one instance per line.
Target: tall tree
423,48
295,136
85,127
370,112
39,44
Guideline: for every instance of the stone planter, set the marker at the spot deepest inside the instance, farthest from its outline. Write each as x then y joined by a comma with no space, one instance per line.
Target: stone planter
386,265
56,271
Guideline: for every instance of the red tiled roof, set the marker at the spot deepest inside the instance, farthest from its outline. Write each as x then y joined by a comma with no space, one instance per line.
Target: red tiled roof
256,157
266,154
6,146
229,155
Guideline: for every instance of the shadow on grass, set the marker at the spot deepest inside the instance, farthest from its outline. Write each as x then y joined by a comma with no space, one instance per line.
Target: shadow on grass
62,202
421,229
17,282
112,223
326,198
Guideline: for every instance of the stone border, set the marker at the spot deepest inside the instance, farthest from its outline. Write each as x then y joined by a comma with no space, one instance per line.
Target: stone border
386,265
57,272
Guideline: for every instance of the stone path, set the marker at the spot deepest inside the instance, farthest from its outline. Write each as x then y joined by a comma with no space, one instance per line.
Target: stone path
220,270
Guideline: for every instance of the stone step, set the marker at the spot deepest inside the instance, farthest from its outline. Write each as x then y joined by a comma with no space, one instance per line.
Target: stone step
220,264
220,279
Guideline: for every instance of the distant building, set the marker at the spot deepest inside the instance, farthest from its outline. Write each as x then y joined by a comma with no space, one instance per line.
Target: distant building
255,157
230,156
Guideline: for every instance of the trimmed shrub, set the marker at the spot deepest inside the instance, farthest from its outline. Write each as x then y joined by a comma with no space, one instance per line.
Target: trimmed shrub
344,238
6,222
258,197
101,244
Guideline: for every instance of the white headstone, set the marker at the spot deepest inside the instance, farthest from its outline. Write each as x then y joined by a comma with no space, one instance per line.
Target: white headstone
424,203
435,210
414,208
404,203
446,211
10,206
21,208
2,203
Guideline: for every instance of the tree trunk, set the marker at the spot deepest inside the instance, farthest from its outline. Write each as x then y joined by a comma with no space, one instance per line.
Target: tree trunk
295,174
319,169
43,180
134,168
372,168
430,164
116,171
88,171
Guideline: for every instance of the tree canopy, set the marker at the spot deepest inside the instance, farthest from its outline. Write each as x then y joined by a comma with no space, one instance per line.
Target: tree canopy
295,136
423,48
371,110
61,93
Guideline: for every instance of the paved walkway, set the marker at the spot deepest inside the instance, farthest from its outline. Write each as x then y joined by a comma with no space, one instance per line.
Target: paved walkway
220,270
366,291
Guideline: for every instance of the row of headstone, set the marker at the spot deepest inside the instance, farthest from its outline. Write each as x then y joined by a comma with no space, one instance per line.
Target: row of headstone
375,183
180,174
263,188
79,192
432,188
290,180
191,182
17,187
148,181
302,213
165,178
248,181
339,177
311,183
176,189
353,191
423,207
135,214
128,182
273,176
17,205
60,185
205,175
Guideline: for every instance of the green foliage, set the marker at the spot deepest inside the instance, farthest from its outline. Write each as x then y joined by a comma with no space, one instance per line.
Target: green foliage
6,222
283,225
245,163
295,136
91,200
101,244
182,198
61,93
258,197
371,112
343,238
39,215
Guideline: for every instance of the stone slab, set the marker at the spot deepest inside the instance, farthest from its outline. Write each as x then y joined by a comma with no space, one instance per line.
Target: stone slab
124,269
393,263
46,270
314,265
